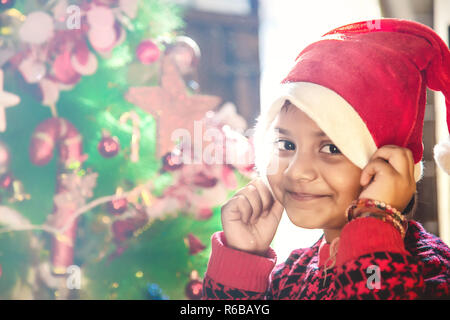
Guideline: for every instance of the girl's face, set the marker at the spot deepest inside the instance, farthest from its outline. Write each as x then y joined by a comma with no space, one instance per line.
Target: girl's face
309,162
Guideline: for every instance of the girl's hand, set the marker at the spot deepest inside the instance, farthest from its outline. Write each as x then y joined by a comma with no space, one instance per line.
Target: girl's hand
251,217
391,169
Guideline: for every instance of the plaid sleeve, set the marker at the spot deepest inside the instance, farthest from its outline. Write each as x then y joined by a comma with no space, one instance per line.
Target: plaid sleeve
237,275
372,263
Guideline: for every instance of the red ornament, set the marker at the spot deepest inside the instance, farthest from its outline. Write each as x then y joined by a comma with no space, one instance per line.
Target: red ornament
63,69
194,289
6,4
6,180
171,162
108,146
124,229
118,206
147,52
194,244
205,213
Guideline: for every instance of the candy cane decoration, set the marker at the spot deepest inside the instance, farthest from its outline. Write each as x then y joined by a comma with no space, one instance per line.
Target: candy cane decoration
47,135
136,134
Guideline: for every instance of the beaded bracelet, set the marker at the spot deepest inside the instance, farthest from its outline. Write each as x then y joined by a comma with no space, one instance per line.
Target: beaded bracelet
386,218
379,210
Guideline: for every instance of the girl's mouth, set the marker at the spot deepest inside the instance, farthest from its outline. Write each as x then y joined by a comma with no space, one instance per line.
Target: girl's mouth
305,196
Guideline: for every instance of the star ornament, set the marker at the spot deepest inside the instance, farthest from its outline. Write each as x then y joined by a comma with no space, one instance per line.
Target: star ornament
6,100
171,105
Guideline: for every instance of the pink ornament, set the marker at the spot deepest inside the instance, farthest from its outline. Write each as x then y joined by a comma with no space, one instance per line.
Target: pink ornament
63,70
86,66
4,158
37,28
101,34
204,213
108,146
32,70
147,52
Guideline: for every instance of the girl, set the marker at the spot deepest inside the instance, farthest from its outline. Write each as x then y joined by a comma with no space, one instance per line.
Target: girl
341,150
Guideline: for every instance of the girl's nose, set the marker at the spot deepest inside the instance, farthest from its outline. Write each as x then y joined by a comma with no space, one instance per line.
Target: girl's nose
302,167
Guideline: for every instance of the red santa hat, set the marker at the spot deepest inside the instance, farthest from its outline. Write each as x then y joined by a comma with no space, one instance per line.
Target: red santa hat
364,84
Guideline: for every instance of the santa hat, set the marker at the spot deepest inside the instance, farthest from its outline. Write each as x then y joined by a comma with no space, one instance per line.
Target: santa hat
364,84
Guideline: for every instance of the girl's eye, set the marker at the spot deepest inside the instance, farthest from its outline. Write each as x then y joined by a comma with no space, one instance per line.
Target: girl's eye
285,145
333,148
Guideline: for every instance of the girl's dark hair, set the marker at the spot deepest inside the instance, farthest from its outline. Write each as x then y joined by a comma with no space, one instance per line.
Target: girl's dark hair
411,207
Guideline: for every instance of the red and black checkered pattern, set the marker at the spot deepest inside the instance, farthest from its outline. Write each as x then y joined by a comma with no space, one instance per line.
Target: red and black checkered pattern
423,274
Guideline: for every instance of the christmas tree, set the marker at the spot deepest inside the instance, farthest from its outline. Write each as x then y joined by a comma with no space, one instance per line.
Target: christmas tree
112,167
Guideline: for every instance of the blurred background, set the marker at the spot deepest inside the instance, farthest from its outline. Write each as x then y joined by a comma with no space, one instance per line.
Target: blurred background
125,124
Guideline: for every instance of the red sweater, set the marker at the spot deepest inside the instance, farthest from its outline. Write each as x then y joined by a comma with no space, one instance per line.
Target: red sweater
372,262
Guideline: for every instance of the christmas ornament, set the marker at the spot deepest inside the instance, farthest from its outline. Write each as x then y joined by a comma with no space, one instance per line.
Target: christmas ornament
172,161
83,61
101,33
119,205
194,288
4,158
37,28
7,4
171,105
6,100
63,70
136,132
204,213
194,244
32,70
47,135
108,146
154,292
185,53
6,180
124,229
147,52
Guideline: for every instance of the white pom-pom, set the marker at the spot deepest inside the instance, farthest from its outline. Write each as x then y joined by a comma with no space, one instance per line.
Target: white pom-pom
442,155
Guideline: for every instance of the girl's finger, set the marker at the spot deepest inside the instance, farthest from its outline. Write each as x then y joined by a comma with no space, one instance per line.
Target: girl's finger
243,206
252,195
375,167
397,157
265,194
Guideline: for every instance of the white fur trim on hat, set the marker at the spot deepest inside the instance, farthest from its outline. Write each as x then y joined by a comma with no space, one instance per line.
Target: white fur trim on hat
332,113
442,154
